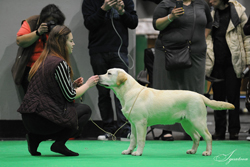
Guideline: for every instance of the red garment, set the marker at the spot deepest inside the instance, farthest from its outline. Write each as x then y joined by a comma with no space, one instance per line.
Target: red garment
25,29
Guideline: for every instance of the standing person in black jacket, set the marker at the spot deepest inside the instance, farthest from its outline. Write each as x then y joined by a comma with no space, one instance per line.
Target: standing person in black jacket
48,109
246,30
108,22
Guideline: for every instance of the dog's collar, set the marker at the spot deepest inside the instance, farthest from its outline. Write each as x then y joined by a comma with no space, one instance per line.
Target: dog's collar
113,135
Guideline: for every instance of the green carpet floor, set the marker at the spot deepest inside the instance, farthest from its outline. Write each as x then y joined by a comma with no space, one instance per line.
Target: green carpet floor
108,154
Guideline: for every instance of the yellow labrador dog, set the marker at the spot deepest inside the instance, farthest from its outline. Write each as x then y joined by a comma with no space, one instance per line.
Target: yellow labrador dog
145,107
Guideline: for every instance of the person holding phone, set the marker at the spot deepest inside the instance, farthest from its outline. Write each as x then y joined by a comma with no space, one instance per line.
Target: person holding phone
227,57
108,22
246,29
175,19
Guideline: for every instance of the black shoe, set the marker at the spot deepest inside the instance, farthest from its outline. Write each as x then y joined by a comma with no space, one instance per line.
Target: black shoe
234,136
218,136
33,143
62,149
170,138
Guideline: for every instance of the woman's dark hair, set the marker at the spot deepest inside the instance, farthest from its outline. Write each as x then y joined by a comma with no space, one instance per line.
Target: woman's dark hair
52,10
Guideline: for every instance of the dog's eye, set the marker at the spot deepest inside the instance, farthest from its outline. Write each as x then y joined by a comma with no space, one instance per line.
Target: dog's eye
109,73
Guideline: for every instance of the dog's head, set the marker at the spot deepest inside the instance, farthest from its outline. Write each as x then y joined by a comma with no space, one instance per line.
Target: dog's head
113,78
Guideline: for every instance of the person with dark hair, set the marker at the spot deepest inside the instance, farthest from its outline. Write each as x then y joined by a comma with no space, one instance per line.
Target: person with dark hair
175,25
228,55
48,109
108,22
246,29
32,35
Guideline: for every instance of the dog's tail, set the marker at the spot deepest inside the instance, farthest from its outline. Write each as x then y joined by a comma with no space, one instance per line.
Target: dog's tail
217,105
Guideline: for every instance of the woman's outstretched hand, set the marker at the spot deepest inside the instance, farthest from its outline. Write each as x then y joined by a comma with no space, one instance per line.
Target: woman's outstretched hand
92,81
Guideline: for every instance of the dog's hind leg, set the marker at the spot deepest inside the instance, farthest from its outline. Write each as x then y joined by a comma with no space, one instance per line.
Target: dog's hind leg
141,131
133,141
189,129
201,128
208,138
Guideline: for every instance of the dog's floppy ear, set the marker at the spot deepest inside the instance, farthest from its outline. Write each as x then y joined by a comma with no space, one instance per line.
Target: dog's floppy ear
121,78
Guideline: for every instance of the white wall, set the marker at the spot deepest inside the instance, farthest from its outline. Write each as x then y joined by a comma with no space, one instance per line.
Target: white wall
12,12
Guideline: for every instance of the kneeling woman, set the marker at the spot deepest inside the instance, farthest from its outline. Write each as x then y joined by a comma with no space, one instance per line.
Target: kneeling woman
48,109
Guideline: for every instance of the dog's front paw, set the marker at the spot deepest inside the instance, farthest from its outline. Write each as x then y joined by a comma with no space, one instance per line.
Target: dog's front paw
136,153
191,151
126,152
206,153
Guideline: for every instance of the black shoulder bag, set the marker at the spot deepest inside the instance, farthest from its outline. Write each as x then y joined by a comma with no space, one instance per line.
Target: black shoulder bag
179,57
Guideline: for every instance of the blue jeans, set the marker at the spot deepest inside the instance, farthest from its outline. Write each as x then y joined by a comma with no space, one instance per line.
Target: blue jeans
101,62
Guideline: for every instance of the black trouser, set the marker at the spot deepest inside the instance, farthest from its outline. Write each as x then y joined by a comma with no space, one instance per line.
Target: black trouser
101,62
229,90
46,129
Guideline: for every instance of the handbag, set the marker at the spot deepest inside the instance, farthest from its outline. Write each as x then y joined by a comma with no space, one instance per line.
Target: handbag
178,57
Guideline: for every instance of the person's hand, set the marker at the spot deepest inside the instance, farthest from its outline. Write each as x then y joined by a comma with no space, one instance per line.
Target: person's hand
177,12
78,82
120,6
108,4
43,28
92,81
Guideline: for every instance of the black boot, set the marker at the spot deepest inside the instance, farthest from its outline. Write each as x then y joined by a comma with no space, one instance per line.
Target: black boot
218,136
33,143
59,147
165,132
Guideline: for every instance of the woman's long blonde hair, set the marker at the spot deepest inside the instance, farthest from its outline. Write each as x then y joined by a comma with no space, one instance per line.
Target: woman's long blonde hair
55,46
